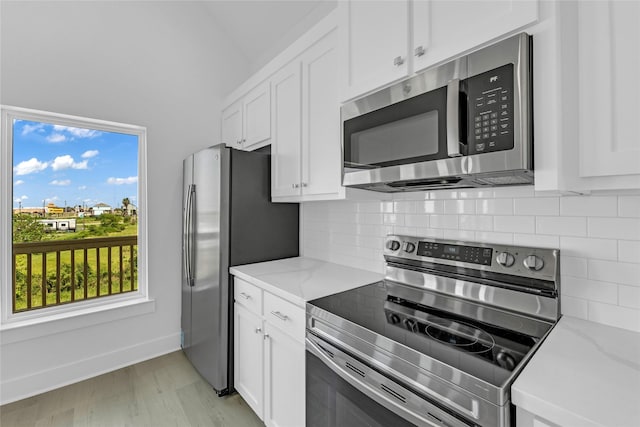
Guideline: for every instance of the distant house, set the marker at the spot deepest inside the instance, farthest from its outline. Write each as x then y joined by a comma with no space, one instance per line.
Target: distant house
132,209
101,208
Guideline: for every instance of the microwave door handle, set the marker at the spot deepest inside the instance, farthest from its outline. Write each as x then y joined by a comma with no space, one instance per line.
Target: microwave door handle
453,118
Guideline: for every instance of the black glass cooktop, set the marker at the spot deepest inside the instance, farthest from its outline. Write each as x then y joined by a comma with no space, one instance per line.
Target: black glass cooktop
438,326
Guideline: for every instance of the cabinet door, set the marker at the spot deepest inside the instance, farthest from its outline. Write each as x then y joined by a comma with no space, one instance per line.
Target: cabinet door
286,112
445,28
257,115
284,379
321,148
608,88
232,125
248,358
374,40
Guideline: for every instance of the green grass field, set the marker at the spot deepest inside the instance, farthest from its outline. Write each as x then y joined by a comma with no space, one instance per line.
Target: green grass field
97,273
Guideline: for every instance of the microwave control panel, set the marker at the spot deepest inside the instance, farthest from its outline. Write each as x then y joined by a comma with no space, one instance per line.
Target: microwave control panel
490,110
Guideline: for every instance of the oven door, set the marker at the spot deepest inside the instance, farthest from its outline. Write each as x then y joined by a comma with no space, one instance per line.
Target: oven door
344,392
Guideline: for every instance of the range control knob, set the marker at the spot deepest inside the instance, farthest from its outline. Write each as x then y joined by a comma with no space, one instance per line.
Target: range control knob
394,318
393,245
506,361
505,259
411,325
409,247
533,262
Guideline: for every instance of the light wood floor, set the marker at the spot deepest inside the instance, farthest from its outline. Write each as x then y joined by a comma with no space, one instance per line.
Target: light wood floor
165,391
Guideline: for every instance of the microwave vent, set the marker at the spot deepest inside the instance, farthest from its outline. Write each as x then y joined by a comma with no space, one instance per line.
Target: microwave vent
506,180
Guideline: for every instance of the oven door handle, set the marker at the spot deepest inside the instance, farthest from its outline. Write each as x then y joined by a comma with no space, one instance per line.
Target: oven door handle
374,388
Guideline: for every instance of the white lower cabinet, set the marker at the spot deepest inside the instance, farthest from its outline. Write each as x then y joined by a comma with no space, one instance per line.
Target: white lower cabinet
284,383
248,353
269,355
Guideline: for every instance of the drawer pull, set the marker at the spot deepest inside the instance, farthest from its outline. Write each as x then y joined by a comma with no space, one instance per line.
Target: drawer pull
245,296
280,316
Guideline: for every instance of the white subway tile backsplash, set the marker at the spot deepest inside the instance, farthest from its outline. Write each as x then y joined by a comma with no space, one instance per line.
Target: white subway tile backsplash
417,220
459,235
404,206
613,271
591,248
537,206
588,206
590,289
537,240
562,226
492,237
573,266
576,307
494,207
443,221
614,315
598,237
629,296
475,222
629,251
615,228
430,206
514,224
459,207
629,206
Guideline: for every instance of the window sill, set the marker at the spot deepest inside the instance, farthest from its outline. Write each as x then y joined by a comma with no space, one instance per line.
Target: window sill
23,330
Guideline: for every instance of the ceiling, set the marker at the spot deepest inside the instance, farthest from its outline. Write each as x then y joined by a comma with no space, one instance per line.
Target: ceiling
263,28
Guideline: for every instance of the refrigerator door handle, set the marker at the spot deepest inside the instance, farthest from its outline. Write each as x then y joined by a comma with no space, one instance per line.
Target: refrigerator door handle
190,232
185,236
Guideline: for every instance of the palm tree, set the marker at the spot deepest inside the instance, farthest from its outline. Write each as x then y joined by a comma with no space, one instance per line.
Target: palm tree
125,204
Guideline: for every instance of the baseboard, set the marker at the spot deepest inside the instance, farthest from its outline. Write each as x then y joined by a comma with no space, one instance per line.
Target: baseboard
79,370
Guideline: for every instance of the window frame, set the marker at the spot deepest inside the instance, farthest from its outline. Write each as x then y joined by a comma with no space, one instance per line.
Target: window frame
7,316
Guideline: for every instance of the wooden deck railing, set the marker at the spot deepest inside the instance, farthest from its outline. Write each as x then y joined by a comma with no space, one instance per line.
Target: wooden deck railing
46,273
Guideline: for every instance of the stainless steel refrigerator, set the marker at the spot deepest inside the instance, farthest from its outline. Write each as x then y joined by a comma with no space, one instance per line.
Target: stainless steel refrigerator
228,219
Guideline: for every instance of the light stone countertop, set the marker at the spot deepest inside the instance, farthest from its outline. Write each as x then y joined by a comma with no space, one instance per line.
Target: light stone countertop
584,374
301,279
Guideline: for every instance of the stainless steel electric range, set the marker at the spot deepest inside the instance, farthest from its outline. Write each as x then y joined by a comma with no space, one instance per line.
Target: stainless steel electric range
438,342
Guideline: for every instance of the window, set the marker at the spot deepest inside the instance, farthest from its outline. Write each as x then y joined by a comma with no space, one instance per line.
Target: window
74,194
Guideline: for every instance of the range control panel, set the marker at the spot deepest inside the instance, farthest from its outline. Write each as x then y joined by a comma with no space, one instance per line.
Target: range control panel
538,263
490,110
462,253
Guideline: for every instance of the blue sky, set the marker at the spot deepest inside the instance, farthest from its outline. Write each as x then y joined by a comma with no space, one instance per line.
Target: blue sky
61,164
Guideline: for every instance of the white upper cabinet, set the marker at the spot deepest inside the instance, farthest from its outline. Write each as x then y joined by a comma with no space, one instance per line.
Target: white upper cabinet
232,125
286,108
246,124
444,28
609,91
384,41
374,37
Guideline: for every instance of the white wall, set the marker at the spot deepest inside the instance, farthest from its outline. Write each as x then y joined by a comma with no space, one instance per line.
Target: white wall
598,237
156,64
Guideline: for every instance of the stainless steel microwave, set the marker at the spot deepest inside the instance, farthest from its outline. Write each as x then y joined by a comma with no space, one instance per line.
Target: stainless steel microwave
466,123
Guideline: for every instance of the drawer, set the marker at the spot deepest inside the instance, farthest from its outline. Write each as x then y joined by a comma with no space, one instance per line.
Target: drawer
248,295
284,315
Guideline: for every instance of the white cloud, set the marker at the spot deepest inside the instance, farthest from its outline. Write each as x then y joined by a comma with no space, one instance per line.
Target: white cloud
29,166
56,137
78,132
51,199
18,182
60,182
89,154
120,181
21,199
66,162
82,187
27,129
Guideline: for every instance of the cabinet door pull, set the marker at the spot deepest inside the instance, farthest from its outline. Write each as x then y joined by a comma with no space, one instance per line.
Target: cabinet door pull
245,296
419,51
280,316
304,184
258,330
266,336
398,61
